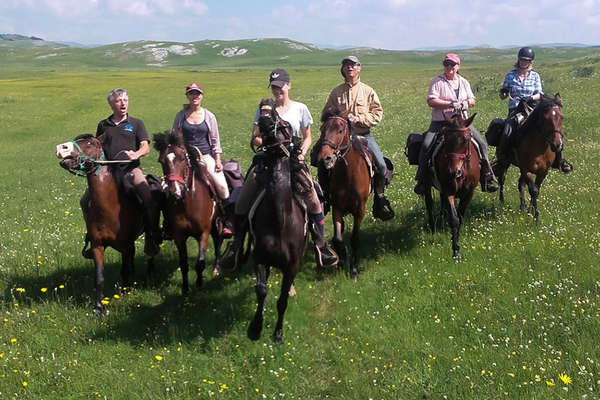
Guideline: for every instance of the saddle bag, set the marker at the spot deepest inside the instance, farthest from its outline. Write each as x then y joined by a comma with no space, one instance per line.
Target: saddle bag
233,174
413,147
494,132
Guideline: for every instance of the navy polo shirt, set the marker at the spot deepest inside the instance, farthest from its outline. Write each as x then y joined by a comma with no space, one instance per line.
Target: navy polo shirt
127,135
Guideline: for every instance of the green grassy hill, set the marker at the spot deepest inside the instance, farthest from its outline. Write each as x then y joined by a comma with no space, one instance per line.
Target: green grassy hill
26,53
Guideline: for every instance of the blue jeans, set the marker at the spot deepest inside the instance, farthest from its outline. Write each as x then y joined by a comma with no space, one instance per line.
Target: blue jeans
377,155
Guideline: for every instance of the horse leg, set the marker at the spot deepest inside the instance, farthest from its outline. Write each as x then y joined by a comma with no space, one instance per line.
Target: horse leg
523,181
462,206
501,175
286,283
200,265
217,243
98,255
338,236
534,192
358,218
429,206
454,223
127,257
183,264
262,275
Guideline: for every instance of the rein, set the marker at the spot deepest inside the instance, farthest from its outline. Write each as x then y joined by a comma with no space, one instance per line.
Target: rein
183,180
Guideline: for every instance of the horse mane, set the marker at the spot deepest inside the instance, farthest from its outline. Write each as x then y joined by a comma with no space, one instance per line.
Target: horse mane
545,104
83,136
333,112
165,139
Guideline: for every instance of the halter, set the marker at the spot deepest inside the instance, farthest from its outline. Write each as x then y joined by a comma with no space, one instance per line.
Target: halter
464,157
339,150
83,158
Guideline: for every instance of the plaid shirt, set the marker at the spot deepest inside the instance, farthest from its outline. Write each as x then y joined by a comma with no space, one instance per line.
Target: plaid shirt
532,84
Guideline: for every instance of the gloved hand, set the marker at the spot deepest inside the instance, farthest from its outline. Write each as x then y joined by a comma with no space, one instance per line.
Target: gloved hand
465,105
457,106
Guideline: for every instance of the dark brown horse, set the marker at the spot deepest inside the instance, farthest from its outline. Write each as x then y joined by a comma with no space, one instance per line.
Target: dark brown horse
112,218
189,207
457,171
278,224
539,139
348,181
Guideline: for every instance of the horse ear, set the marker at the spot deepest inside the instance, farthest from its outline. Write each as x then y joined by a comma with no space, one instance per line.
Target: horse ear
470,120
557,97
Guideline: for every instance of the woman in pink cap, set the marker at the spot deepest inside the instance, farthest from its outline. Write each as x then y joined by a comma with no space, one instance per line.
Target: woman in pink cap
450,93
200,133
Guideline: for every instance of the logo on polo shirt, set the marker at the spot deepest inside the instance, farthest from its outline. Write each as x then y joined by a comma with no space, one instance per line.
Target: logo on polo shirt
128,128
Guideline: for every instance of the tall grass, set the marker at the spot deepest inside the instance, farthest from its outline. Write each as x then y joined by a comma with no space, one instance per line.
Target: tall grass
521,308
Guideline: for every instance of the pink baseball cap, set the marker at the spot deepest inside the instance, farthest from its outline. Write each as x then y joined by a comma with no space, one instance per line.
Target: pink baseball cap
193,86
452,58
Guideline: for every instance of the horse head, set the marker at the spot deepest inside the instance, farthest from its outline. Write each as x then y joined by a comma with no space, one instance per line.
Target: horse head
547,119
275,132
335,138
457,143
80,155
175,162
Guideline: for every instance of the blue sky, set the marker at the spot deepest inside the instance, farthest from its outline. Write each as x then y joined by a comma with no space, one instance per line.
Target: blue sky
389,24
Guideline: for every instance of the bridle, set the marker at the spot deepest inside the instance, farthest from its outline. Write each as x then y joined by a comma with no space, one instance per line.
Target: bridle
549,138
463,157
182,180
278,143
339,149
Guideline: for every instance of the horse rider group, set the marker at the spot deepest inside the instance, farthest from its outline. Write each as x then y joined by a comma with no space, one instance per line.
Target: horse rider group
125,137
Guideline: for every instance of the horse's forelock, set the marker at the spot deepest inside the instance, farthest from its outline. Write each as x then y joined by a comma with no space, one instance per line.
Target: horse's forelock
160,141
83,136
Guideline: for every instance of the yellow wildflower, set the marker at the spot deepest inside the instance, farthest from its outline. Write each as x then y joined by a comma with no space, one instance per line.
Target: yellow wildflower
550,383
20,290
44,290
158,358
25,383
566,379
13,340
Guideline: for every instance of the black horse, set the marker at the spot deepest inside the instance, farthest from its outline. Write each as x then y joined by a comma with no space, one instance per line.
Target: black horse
278,224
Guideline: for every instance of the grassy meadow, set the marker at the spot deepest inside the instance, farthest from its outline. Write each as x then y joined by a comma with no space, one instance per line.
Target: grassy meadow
517,318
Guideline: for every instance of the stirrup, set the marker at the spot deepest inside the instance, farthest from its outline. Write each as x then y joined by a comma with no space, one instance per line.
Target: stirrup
382,209
325,256
565,167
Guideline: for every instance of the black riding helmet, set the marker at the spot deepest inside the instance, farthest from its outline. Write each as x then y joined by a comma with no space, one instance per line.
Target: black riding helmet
526,53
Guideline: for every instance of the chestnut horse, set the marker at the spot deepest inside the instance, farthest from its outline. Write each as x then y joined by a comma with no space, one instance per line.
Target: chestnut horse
349,181
112,218
539,138
278,224
189,208
457,171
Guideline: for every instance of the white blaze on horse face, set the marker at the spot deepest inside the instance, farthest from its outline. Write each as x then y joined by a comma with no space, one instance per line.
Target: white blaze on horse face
64,150
171,156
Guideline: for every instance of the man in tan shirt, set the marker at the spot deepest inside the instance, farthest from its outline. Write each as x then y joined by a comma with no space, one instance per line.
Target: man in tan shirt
365,113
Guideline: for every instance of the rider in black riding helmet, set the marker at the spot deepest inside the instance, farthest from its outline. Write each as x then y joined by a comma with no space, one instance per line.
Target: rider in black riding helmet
522,85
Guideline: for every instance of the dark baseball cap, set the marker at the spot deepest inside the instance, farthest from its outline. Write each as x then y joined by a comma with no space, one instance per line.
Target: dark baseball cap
350,59
279,77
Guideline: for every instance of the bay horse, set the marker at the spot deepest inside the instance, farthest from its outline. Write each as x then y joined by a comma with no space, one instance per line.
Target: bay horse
348,181
539,138
457,170
189,208
278,223
112,218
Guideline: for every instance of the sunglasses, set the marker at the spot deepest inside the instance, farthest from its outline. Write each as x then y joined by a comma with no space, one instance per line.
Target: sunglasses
448,64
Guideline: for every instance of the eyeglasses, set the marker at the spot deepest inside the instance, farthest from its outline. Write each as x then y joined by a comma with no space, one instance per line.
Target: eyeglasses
351,65
448,64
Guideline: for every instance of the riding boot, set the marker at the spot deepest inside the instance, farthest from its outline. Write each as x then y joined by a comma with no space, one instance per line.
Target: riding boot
487,179
504,148
325,256
231,259
226,227
151,216
381,206
561,164
323,177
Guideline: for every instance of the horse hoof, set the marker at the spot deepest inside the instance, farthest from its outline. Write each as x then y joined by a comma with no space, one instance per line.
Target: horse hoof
98,312
278,336
254,333
216,272
457,256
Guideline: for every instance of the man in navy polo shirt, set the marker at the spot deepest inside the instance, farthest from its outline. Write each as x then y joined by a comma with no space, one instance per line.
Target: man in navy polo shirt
125,138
